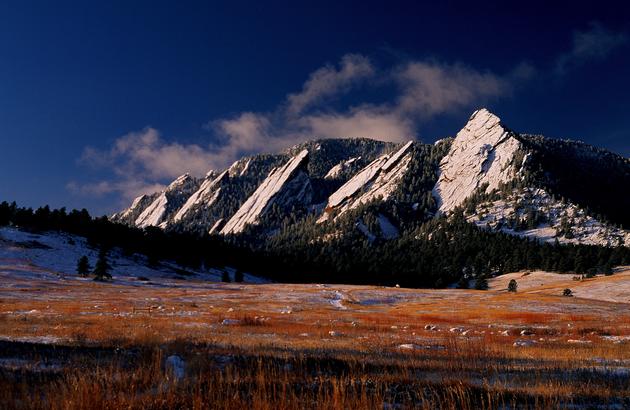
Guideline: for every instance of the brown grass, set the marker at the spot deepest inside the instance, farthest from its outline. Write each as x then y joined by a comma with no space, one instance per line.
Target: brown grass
110,350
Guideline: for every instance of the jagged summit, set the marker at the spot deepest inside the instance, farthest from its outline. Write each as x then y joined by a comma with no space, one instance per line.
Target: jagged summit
532,186
481,153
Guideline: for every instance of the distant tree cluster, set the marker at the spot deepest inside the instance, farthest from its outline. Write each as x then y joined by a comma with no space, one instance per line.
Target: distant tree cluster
437,253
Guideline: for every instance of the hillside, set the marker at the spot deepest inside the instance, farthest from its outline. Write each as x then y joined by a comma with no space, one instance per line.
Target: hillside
529,186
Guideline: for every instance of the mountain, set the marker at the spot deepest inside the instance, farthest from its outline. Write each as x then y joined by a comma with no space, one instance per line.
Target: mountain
497,179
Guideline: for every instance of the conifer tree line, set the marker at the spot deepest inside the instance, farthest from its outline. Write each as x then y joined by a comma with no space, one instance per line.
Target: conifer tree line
437,253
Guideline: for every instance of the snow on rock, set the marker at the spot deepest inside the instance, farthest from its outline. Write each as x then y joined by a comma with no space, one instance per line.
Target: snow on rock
245,168
168,201
335,171
481,153
215,228
289,178
153,214
134,205
207,194
378,179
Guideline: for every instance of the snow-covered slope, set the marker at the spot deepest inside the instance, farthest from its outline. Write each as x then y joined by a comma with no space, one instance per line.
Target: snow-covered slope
377,180
289,178
54,255
533,213
482,153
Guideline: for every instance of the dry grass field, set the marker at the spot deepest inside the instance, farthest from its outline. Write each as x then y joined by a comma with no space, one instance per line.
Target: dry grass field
73,343
172,341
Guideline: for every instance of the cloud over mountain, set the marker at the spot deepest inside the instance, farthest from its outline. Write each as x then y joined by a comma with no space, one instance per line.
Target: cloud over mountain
142,160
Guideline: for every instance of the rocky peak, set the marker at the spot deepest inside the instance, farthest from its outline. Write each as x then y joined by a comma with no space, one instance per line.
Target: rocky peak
481,153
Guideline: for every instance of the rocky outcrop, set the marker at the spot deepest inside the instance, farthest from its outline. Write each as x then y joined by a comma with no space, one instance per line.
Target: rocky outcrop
377,180
482,153
286,184
204,197
157,213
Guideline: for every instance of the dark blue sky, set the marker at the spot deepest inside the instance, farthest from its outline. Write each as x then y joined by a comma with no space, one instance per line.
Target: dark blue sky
100,102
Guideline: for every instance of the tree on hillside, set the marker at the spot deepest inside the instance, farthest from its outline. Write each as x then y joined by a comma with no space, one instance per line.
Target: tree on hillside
481,283
102,267
225,276
567,292
238,276
83,266
512,286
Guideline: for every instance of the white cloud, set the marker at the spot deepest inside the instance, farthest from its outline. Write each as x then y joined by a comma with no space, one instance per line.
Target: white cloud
379,123
143,161
590,45
127,189
329,81
428,88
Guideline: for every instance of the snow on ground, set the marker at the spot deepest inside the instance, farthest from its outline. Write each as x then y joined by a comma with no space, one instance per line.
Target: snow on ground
504,213
54,255
387,228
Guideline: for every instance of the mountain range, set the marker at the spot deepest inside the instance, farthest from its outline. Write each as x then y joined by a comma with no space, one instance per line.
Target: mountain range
519,184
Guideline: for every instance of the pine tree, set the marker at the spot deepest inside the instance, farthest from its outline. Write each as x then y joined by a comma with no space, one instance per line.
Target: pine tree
607,269
238,276
481,283
102,267
83,266
225,276
462,283
512,286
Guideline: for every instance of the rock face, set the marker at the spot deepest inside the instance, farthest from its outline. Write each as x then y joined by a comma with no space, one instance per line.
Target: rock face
378,180
560,194
205,196
283,185
482,153
342,167
167,202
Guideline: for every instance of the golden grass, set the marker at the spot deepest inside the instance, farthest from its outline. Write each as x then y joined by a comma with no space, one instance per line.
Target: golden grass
286,346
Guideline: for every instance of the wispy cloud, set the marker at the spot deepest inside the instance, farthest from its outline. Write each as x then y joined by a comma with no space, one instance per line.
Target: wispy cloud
590,45
329,81
142,161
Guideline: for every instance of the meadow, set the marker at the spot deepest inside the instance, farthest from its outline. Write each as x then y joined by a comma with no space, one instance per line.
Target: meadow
72,343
